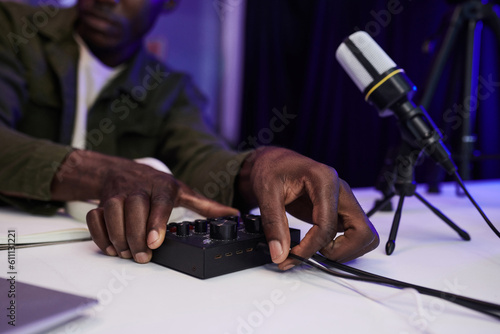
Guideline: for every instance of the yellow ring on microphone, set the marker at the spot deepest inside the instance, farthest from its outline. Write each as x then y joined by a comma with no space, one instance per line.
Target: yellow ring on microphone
382,81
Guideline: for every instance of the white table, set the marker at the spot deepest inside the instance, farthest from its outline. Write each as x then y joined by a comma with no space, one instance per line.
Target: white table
150,298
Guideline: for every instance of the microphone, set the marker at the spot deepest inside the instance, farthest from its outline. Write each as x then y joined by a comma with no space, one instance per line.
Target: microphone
390,91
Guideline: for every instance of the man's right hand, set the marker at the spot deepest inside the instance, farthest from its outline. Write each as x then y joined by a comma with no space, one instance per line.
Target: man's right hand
135,201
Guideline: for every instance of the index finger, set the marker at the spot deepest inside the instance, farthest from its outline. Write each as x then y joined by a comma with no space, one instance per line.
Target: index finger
360,236
324,217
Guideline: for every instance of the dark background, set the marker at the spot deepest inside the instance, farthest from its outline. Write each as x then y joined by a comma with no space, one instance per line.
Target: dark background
290,61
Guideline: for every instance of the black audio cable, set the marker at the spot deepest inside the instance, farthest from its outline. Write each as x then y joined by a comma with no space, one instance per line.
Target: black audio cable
319,262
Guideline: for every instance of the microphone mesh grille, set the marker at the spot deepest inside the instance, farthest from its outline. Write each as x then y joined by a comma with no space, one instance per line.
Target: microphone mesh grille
371,51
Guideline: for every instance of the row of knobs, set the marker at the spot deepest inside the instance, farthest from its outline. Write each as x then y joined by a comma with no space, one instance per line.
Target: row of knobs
224,228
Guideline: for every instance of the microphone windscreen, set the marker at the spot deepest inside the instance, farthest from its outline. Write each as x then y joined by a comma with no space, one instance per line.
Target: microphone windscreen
363,59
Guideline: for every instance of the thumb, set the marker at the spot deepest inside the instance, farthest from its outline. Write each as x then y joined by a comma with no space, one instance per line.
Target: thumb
275,225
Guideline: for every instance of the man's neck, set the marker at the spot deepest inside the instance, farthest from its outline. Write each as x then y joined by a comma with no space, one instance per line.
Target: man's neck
113,57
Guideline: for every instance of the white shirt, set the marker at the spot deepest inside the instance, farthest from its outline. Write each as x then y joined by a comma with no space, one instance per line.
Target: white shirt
93,76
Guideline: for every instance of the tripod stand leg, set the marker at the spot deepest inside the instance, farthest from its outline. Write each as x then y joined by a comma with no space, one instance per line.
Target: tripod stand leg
456,24
391,243
464,235
492,20
380,204
469,89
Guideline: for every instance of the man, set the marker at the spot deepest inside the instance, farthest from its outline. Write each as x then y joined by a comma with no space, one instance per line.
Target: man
143,109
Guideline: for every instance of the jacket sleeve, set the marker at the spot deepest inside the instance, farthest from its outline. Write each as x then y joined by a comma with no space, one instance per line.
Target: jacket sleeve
27,164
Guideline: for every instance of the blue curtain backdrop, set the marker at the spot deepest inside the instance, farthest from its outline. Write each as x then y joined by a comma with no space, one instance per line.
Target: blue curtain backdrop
290,63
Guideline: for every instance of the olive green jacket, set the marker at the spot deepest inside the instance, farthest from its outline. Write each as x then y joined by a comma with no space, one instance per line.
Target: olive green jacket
147,111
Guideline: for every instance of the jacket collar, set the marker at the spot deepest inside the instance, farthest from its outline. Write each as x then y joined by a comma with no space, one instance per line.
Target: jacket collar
61,24
130,77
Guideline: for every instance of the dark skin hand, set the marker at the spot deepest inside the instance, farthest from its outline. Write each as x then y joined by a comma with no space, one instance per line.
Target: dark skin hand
280,180
135,201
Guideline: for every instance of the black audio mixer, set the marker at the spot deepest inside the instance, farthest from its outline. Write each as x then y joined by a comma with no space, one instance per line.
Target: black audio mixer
207,248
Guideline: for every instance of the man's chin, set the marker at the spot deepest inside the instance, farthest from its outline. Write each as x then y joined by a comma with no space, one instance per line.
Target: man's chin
97,40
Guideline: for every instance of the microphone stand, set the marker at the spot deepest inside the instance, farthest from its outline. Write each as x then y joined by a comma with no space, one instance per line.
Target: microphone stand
391,93
403,184
466,17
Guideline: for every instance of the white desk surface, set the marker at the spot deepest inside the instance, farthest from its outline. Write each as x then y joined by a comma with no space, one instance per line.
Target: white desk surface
150,298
